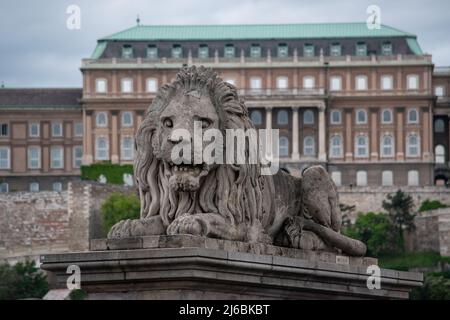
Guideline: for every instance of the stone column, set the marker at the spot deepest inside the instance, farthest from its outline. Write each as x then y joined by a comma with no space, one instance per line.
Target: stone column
373,134
348,135
295,129
87,88
139,82
426,134
322,134
269,81
87,137
400,134
114,137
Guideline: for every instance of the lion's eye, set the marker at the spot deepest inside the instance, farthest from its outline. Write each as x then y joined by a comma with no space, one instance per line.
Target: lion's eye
168,123
205,123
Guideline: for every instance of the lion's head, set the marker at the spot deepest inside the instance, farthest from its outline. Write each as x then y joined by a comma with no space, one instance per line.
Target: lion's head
170,189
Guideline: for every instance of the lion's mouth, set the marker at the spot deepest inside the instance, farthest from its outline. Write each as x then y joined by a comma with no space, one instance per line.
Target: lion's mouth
186,177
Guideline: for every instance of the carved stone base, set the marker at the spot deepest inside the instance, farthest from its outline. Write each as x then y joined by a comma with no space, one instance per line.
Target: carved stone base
187,267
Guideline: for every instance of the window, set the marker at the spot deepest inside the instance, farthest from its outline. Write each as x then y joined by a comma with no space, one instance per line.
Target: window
255,83
308,82
439,153
77,156
4,130
308,50
308,117
101,149
386,49
34,187
386,82
256,117
4,187
127,148
361,82
152,85
78,128
127,51
361,178
387,178
127,119
282,117
101,119
336,117
282,83
5,160
413,116
413,178
152,52
336,146
100,85
283,50
127,85
34,130
57,129
336,176
362,146
57,186
439,126
386,116
284,147
229,51
56,158
34,158
361,117
412,145
413,82
203,51
439,91
255,51
177,51
336,83
387,146
361,49
335,50
309,146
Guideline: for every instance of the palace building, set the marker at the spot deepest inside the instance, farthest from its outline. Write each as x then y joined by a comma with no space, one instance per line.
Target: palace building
363,103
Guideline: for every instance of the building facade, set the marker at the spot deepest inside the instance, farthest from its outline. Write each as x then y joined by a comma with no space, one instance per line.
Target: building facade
363,103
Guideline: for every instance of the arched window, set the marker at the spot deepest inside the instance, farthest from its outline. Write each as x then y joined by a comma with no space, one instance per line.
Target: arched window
387,146
413,145
439,153
282,83
361,178
361,82
127,148
126,85
284,147
101,148
439,125
308,82
361,116
336,146
256,117
308,117
362,146
309,146
101,119
152,85
336,117
282,117
387,178
413,178
127,119
386,116
413,116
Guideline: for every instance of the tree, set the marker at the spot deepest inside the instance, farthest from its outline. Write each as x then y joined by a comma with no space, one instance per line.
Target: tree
119,207
376,231
431,205
399,207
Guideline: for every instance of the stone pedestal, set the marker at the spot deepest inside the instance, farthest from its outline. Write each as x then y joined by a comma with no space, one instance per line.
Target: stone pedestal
188,267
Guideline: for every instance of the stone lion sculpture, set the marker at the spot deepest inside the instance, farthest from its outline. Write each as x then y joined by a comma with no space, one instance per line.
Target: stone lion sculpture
225,201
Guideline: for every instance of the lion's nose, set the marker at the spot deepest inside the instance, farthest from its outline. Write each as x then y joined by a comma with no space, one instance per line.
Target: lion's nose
177,139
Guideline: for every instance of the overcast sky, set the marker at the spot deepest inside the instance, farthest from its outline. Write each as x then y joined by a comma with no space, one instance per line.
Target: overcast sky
37,49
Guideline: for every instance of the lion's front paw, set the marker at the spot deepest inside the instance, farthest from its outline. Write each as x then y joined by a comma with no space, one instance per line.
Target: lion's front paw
121,229
187,224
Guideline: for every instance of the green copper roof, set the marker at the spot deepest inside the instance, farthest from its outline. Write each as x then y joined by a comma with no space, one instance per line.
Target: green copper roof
260,31
101,45
414,46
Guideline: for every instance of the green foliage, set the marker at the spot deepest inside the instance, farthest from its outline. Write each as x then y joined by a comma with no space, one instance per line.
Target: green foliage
407,261
436,286
431,205
21,281
375,230
119,207
78,294
113,172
